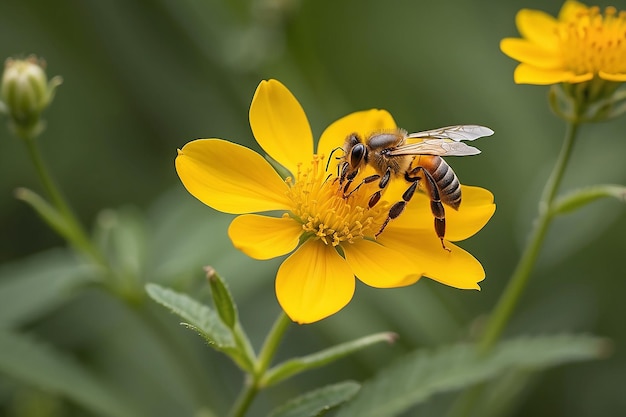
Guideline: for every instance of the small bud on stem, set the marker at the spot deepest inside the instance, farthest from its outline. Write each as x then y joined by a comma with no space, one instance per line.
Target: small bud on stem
25,93
223,301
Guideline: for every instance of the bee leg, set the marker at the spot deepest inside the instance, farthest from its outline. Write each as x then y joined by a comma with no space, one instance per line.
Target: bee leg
365,180
436,207
342,173
347,178
396,210
382,184
341,170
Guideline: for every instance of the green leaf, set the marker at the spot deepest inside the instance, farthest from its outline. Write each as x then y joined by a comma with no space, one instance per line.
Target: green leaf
197,316
46,211
423,373
30,288
584,196
500,396
295,366
203,320
317,402
121,235
37,364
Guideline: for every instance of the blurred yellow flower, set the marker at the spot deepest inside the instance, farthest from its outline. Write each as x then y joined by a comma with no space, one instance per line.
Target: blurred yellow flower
333,237
582,43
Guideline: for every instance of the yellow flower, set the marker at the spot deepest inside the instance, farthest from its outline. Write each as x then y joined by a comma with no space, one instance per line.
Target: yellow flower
579,45
332,238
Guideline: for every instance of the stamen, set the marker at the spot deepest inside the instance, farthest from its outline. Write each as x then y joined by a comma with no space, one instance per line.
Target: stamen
319,204
593,42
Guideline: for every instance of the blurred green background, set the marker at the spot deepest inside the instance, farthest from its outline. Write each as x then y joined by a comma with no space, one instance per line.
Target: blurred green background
144,77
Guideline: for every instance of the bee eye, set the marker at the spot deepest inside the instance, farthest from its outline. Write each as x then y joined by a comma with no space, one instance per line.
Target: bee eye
357,154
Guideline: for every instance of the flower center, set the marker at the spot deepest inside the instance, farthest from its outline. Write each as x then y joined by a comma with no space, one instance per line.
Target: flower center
319,204
592,42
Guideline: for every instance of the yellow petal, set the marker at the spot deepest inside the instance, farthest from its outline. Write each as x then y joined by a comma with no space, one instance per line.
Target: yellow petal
263,237
538,27
476,209
379,266
531,53
280,125
417,214
528,74
571,10
314,282
579,78
456,268
619,77
230,177
361,122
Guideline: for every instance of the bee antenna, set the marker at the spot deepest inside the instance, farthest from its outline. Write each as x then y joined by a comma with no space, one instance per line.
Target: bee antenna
331,156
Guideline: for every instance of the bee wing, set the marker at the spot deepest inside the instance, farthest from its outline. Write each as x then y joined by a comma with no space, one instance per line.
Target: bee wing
440,147
456,133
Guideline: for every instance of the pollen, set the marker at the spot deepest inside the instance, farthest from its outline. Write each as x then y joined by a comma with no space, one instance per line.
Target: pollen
592,42
320,206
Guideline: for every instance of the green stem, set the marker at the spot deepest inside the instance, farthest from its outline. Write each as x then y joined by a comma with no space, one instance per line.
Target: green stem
513,292
76,234
132,297
515,288
252,386
247,394
271,343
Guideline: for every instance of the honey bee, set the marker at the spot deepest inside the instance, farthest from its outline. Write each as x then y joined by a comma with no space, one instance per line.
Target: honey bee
418,162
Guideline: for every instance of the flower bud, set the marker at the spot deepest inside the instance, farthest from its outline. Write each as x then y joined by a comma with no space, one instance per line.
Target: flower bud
26,92
222,299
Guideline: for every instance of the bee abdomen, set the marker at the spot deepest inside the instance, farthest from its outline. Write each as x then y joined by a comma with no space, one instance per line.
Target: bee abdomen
446,180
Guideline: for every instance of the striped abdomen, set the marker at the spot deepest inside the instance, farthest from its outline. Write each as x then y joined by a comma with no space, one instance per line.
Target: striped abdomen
445,178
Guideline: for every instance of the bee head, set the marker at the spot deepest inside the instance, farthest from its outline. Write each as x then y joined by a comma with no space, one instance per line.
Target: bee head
356,151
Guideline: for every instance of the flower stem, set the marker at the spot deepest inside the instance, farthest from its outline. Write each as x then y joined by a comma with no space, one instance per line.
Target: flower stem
252,383
271,343
76,234
515,288
247,394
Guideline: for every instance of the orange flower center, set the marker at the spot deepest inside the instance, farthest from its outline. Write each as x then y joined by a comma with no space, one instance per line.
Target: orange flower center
592,42
319,204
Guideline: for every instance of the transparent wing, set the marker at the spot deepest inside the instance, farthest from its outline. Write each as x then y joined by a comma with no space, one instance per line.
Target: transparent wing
441,147
455,133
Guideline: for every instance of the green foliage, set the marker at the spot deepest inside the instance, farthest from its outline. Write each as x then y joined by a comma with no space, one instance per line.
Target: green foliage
592,101
317,402
202,319
122,236
497,397
37,364
579,198
420,375
30,290
295,366
198,317
46,212
233,341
